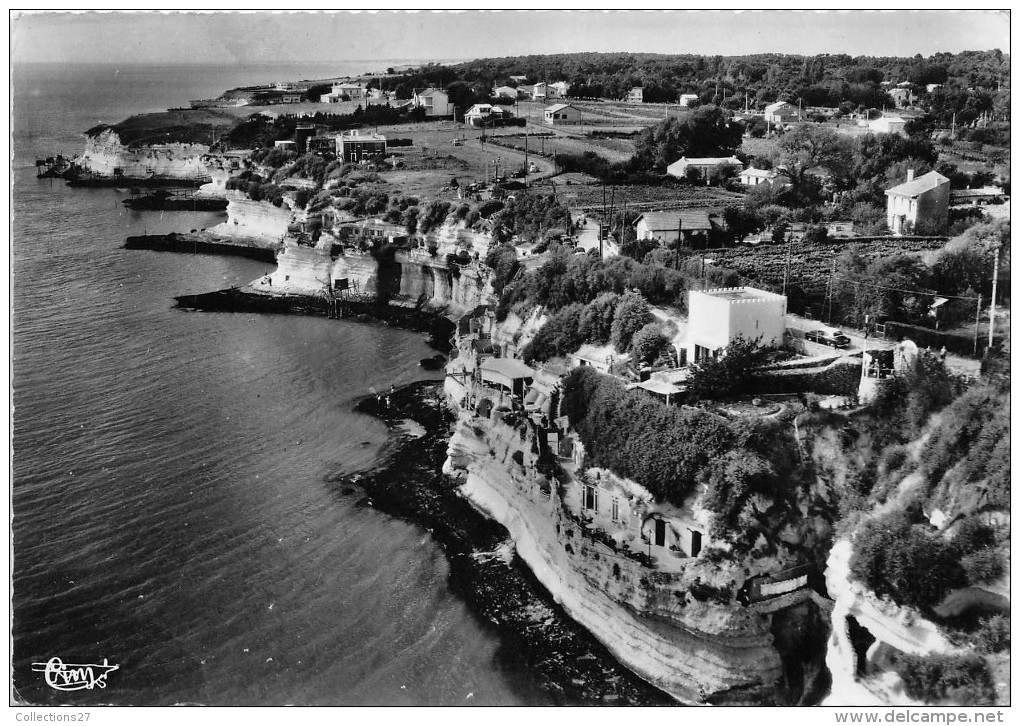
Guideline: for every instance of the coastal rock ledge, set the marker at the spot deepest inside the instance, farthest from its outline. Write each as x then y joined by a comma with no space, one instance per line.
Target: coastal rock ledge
698,652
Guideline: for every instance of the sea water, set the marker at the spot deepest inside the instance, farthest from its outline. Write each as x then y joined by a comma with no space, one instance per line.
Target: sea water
171,510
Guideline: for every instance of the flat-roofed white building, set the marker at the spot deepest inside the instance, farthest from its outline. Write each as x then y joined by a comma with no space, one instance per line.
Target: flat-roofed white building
718,316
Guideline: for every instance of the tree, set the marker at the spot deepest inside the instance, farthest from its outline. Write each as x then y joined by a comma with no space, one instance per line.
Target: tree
808,146
597,318
705,131
741,221
649,343
632,314
895,557
729,374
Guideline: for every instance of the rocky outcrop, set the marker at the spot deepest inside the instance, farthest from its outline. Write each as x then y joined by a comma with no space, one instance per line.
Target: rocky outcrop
696,651
255,220
887,625
106,156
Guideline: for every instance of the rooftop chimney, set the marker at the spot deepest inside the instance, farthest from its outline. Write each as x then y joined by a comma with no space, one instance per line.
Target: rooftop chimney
910,175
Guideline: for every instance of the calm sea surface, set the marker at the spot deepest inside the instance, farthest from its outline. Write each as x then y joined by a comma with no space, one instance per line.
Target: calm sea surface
170,507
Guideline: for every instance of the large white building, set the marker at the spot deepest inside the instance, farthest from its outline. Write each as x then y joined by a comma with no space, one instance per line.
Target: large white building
718,316
434,101
922,200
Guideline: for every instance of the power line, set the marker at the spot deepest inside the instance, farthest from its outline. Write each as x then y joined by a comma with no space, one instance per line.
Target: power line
898,289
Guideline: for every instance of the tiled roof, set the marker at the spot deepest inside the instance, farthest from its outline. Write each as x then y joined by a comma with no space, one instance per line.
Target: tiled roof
920,185
691,220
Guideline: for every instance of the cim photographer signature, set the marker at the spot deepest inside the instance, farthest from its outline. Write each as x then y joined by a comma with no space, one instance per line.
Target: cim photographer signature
74,676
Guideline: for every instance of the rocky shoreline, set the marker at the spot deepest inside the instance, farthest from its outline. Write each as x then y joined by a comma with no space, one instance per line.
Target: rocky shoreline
240,300
537,637
197,243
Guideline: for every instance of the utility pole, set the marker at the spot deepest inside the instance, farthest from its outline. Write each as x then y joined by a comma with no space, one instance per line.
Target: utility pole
525,155
786,272
991,310
977,322
832,277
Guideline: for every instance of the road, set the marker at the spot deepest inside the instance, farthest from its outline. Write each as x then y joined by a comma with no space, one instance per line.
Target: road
858,341
588,236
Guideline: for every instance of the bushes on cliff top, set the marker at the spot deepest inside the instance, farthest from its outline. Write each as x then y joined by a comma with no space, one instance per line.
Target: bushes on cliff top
631,315
566,278
664,448
649,344
729,375
895,555
597,318
560,335
434,215
962,679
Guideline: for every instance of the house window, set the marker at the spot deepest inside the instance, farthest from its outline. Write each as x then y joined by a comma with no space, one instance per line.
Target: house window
591,498
616,509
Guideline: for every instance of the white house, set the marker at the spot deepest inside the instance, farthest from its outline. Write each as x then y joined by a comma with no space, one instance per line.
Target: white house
601,358
888,125
340,91
478,114
752,177
781,112
558,89
667,227
434,101
704,166
718,316
686,99
562,114
636,95
922,200
507,91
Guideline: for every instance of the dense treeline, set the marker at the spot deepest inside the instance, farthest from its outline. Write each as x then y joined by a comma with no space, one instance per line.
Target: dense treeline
822,80
566,278
664,448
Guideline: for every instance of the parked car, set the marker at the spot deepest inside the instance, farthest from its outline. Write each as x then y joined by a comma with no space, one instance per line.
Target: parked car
458,142
828,336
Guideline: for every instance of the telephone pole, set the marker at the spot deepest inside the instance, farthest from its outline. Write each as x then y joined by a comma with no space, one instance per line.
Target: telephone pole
786,272
977,322
991,310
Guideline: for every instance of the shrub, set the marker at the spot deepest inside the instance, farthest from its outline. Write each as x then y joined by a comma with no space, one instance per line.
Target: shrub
490,207
895,557
649,343
560,335
993,634
597,318
631,314
963,679
982,566
730,374
664,448
434,215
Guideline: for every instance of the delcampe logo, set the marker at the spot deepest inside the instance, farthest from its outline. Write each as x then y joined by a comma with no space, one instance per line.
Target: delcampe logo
74,676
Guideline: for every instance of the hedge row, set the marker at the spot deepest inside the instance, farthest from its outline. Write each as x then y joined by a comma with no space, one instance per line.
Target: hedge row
839,378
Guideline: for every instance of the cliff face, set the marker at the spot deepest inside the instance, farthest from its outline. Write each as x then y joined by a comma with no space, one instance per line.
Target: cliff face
254,220
104,153
410,278
696,651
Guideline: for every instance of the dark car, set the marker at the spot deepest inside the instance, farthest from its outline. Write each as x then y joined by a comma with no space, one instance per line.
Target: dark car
832,337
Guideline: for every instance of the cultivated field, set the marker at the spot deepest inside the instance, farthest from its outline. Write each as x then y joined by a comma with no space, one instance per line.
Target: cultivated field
810,263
